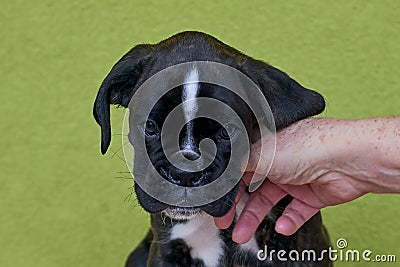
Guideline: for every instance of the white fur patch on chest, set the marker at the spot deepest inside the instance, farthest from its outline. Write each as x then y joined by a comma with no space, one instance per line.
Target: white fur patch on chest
202,236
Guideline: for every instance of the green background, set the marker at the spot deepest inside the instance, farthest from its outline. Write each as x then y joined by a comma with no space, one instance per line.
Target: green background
61,201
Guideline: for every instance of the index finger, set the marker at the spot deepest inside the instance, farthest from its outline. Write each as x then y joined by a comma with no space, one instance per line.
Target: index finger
257,207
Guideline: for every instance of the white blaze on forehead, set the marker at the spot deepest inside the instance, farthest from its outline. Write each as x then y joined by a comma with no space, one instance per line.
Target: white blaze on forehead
190,91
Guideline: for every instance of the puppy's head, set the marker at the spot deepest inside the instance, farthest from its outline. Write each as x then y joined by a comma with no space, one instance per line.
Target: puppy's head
288,100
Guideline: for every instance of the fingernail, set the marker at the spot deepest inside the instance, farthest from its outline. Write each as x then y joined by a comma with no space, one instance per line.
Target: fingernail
221,223
240,237
246,160
256,181
235,237
285,226
243,166
279,228
217,222
253,186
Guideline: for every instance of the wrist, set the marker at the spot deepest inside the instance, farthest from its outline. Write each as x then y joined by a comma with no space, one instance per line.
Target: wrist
358,150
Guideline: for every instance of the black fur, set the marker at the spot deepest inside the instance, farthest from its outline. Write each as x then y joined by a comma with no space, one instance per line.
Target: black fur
289,102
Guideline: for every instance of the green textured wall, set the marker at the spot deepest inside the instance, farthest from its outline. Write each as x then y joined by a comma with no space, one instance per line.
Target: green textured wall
61,203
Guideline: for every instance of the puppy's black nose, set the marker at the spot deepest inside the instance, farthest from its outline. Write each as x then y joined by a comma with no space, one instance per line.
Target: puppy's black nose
190,154
184,178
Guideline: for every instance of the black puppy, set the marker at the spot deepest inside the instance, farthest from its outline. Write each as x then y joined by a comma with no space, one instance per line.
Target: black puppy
188,237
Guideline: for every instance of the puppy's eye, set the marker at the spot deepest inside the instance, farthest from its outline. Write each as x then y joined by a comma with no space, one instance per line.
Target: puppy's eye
228,132
151,128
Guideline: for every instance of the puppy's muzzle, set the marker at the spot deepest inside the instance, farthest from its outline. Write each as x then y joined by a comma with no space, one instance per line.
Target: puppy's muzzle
183,177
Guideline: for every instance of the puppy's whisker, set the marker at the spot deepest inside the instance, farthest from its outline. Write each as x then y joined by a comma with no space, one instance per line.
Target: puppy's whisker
119,149
162,242
193,227
115,154
127,172
129,196
122,177
116,134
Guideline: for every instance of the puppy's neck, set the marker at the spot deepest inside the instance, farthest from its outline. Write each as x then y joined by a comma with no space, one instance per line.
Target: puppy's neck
199,238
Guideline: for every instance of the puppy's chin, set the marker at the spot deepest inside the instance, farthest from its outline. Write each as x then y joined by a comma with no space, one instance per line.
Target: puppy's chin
148,203
178,213
217,208
182,213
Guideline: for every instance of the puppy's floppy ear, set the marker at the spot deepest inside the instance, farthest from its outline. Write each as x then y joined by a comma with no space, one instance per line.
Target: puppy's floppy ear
118,88
289,101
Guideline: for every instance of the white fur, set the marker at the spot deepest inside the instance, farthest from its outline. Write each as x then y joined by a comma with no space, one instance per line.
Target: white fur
202,236
190,91
181,213
251,245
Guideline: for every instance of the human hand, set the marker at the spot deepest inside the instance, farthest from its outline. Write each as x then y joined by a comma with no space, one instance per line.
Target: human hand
304,167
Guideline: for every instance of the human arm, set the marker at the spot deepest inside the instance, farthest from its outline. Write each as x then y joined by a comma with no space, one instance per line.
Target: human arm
321,162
